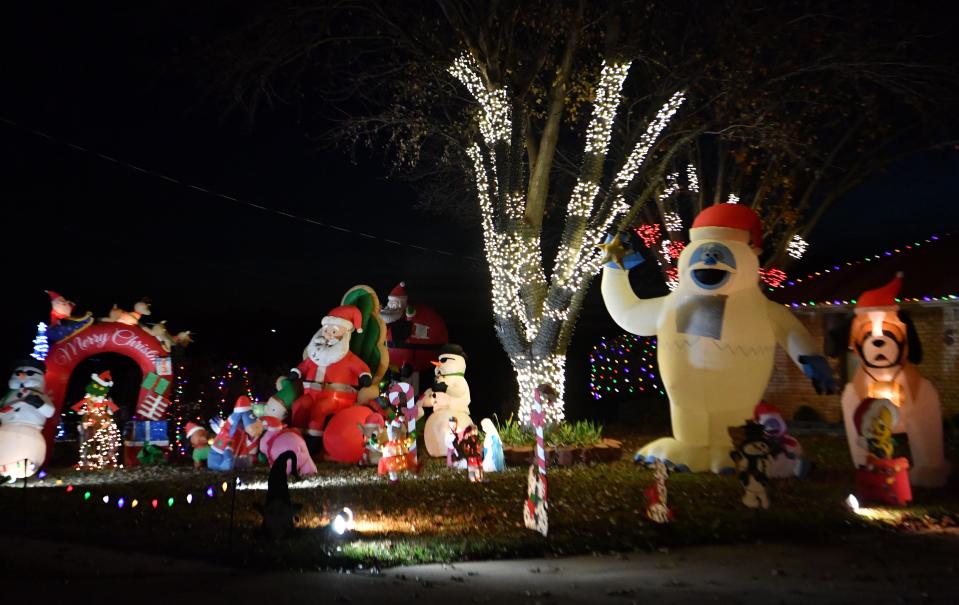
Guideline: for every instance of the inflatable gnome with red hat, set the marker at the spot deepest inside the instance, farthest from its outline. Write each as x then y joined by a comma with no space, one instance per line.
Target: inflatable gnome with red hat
330,371
888,348
717,335
413,333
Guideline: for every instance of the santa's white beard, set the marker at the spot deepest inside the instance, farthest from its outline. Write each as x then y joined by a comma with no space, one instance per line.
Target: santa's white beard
324,353
390,315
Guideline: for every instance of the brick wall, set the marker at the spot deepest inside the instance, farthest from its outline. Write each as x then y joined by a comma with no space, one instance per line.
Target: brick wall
938,328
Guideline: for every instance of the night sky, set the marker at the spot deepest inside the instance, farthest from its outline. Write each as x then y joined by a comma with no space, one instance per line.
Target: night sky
119,82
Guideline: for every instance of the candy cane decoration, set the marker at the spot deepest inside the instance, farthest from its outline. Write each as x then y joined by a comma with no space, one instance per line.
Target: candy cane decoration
402,397
535,511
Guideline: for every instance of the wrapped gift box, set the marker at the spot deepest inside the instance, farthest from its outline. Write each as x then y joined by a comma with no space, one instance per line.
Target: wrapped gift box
139,432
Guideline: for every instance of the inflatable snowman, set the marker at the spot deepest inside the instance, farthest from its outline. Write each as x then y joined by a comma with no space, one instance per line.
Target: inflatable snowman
717,335
449,397
24,411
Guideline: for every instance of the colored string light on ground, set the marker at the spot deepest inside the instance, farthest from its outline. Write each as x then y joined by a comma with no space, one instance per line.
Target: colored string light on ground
122,501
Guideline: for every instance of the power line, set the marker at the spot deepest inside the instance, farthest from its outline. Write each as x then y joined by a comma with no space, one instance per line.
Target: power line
223,196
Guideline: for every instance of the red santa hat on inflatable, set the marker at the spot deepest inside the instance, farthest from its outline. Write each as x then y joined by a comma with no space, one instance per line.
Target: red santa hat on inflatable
765,410
877,302
401,300
399,292
882,298
347,317
243,404
729,221
103,379
191,428
869,409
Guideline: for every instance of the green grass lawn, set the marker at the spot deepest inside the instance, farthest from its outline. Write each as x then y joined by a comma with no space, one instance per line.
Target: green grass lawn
439,516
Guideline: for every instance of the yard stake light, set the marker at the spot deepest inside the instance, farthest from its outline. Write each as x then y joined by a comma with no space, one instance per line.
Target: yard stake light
342,522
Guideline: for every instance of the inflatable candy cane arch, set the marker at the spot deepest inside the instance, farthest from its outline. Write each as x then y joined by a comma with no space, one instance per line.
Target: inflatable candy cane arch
535,510
402,397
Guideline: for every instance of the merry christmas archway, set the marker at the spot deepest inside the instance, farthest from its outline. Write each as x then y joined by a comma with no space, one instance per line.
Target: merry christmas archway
130,341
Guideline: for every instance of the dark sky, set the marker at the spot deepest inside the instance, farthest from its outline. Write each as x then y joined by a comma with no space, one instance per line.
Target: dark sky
117,81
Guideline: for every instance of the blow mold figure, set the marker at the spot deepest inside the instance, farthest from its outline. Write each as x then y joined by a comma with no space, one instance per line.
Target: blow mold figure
717,334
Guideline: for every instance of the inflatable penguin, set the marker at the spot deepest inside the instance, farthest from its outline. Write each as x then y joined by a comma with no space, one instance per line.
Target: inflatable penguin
24,411
717,334
449,397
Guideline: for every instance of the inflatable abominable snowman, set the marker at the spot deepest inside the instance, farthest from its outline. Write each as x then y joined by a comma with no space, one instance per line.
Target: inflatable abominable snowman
24,411
888,349
449,397
717,334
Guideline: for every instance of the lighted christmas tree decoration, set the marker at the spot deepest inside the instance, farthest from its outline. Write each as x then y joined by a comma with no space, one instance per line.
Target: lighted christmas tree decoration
732,199
622,366
99,434
40,343
796,247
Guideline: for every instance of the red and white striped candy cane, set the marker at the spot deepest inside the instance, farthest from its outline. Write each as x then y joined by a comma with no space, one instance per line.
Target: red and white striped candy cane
538,419
402,397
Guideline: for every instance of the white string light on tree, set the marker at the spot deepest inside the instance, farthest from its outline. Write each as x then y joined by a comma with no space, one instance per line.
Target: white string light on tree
530,310
796,247
732,199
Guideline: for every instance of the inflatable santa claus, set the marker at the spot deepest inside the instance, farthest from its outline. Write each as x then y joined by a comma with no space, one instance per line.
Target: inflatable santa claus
414,333
330,372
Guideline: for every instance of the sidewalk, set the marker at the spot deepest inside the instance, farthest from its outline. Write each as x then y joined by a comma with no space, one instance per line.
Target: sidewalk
863,569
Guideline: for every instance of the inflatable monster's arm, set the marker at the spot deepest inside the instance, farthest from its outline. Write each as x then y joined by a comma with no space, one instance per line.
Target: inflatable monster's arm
795,339
631,313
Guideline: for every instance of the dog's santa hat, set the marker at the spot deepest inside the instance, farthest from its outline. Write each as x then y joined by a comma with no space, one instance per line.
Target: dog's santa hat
876,303
347,317
729,221
882,298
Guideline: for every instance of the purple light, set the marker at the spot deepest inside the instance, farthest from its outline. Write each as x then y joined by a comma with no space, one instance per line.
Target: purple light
934,238
926,298
836,267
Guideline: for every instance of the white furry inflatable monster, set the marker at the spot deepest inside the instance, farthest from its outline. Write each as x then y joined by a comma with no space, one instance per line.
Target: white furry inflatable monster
717,334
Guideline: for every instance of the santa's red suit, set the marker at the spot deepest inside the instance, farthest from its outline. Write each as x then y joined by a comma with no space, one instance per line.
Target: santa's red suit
415,338
331,388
